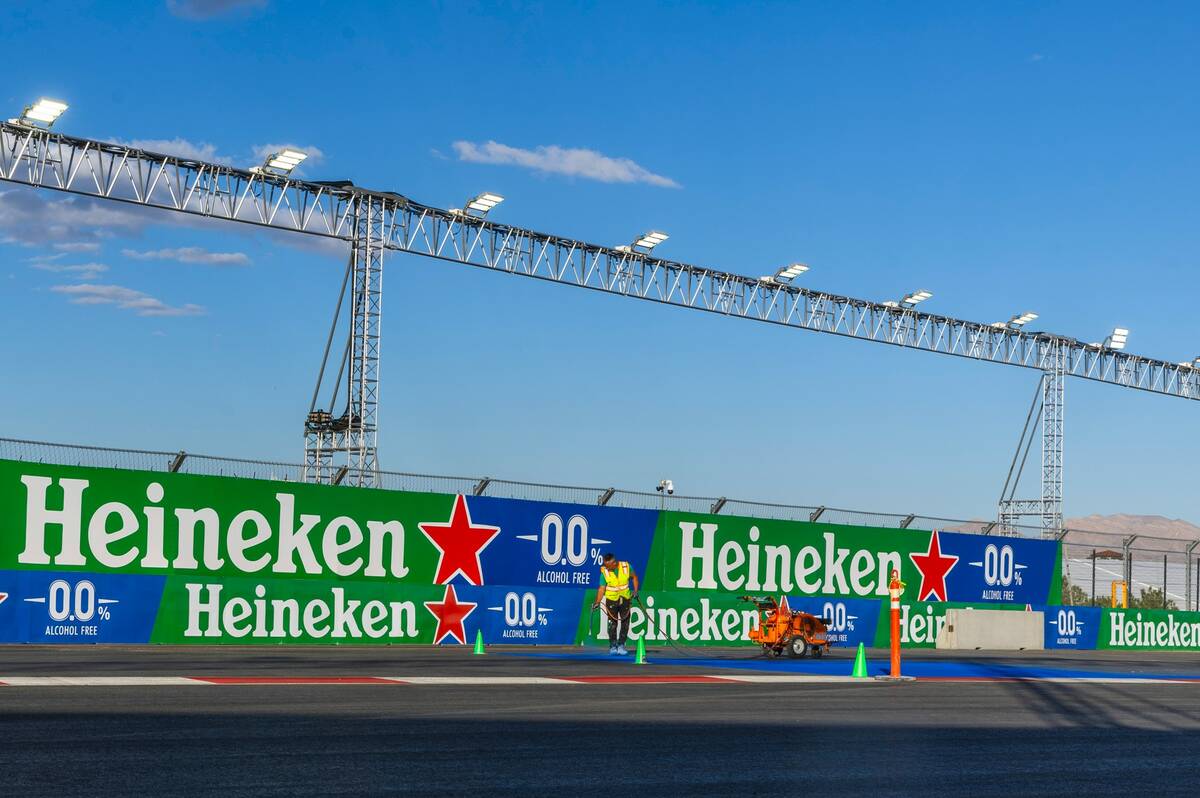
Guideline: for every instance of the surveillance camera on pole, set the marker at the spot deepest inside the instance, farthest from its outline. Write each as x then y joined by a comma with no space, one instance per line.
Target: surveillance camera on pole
666,486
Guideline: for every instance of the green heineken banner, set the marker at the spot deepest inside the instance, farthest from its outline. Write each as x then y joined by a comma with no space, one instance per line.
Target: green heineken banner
719,619
102,555
709,552
1163,630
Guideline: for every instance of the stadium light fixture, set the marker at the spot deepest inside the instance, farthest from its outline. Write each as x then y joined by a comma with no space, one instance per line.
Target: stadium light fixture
910,301
649,241
44,112
1024,319
1116,340
480,204
787,273
1016,322
281,163
1193,364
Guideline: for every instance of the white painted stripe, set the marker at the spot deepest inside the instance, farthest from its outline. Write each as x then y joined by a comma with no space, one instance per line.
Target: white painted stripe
97,681
481,680
1111,680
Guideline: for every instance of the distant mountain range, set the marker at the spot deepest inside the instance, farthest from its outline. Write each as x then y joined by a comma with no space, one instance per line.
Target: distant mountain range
1109,530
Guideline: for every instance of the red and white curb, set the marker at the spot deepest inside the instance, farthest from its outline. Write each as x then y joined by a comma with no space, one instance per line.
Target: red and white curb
509,681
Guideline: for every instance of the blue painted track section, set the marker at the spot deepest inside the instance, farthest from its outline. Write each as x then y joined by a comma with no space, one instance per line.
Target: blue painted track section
927,669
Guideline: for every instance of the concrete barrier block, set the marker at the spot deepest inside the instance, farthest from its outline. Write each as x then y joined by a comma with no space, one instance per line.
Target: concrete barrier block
994,630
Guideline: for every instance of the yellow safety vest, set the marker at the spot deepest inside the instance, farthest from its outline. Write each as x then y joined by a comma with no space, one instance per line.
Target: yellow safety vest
616,583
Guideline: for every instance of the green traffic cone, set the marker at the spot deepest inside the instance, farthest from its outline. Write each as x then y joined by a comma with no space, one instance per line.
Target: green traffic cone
860,664
639,657
479,641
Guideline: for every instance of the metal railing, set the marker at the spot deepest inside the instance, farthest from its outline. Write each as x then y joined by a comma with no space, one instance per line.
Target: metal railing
1166,567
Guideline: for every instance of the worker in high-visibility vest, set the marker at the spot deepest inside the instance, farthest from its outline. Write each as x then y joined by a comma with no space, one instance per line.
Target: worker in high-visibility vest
617,593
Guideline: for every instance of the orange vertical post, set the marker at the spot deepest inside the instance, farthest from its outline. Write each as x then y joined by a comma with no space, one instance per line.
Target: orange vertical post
895,587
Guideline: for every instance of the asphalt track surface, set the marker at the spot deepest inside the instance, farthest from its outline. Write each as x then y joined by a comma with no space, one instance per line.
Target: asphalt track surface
997,737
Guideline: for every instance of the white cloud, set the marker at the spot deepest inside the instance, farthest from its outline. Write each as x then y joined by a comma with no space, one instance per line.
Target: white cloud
126,298
573,161
180,148
207,9
77,246
84,271
190,255
28,217
1033,59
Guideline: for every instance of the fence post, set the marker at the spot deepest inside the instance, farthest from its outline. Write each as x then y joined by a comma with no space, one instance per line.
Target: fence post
1127,545
1093,576
1164,581
1187,574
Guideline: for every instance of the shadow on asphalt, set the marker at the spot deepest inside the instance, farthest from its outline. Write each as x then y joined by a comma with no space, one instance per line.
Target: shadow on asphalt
1000,739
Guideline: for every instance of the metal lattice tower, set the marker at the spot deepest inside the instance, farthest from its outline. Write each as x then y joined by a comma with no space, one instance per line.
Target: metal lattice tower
1050,407
1053,384
353,435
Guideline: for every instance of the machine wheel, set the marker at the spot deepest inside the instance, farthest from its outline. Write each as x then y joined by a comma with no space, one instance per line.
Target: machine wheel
797,647
817,652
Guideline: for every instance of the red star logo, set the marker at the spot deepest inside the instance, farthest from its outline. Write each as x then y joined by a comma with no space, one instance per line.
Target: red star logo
934,566
450,614
3,596
460,543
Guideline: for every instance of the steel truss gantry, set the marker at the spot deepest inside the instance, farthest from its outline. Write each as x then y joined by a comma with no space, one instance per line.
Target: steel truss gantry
48,159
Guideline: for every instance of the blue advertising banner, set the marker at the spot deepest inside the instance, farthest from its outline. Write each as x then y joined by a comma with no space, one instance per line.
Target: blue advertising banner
559,545
544,616
850,621
1072,627
1006,570
49,607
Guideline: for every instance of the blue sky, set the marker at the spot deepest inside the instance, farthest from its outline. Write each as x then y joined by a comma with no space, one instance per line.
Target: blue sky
1007,157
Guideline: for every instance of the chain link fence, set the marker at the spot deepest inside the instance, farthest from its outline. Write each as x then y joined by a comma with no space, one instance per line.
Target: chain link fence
1159,571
